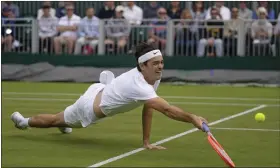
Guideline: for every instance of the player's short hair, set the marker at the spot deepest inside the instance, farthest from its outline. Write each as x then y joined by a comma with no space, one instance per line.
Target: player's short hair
142,49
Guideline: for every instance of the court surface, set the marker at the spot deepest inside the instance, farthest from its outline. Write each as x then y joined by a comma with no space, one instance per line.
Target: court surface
248,143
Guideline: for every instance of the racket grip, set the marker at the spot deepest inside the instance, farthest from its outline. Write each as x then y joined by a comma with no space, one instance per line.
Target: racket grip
205,127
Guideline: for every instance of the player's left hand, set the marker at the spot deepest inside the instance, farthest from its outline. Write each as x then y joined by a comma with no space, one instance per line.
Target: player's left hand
153,147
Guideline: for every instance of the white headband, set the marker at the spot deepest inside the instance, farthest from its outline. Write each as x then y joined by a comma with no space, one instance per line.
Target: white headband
149,55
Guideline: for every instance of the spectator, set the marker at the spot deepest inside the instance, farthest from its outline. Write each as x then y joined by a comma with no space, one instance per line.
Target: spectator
88,31
231,32
60,11
276,38
118,30
222,10
271,13
13,7
186,36
133,13
8,33
47,29
198,12
213,35
244,12
51,10
67,26
158,32
174,12
150,11
261,31
107,11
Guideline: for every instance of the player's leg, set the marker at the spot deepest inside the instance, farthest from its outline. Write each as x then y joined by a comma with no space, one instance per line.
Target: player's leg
39,121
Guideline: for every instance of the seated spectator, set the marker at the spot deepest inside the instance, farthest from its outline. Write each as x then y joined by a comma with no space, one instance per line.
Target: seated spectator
150,11
8,33
174,12
244,12
198,12
47,29
186,35
231,32
61,11
13,7
276,38
213,35
51,10
107,11
133,13
222,10
117,30
261,32
270,12
158,32
67,26
88,31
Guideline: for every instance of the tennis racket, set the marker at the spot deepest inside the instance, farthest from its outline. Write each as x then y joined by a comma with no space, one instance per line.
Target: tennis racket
217,147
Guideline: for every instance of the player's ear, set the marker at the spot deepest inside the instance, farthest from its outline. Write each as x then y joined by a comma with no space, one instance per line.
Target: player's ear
141,65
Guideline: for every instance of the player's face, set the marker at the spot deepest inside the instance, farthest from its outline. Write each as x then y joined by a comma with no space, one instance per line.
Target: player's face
153,69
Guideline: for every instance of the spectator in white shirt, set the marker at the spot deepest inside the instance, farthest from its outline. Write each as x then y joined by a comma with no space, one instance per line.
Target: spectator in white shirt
67,26
224,11
133,13
41,12
47,29
88,31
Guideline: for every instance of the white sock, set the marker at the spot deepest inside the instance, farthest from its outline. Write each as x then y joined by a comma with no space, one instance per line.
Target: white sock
25,122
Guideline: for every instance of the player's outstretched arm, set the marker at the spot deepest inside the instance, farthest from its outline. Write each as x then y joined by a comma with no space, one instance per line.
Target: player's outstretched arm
174,112
147,116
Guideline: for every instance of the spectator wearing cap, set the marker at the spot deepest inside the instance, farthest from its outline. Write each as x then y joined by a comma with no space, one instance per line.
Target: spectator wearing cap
7,32
174,12
270,12
47,29
107,11
67,26
88,31
46,4
117,30
158,32
222,10
261,31
133,13
13,7
150,11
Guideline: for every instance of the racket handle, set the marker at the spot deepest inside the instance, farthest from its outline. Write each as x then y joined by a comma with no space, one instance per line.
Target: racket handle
205,127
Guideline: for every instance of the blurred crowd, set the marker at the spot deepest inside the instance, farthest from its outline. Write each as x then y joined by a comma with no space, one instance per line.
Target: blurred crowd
210,32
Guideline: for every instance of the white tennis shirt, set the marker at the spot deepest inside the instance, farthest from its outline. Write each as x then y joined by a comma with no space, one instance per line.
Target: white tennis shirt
126,92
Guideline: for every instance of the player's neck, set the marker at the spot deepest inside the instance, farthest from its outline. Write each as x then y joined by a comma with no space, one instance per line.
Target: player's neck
149,81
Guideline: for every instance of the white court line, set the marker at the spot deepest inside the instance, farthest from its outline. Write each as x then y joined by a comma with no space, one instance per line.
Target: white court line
182,103
175,136
170,97
245,129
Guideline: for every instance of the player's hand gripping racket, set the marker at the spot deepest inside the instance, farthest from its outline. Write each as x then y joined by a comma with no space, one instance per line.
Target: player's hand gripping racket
217,147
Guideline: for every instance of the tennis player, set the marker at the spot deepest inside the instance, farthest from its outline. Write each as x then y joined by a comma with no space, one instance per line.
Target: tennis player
117,95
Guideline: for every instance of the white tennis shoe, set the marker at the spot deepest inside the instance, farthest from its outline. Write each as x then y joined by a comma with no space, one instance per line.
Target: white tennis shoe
17,118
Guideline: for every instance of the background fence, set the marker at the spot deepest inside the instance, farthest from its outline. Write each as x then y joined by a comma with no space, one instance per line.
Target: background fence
181,40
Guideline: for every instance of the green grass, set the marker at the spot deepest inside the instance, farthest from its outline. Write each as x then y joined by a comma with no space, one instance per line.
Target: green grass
122,133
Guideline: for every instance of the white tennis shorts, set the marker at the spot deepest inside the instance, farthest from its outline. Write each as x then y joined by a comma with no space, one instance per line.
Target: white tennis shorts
80,114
